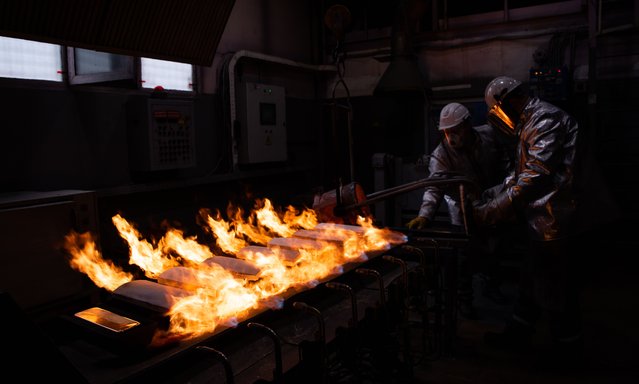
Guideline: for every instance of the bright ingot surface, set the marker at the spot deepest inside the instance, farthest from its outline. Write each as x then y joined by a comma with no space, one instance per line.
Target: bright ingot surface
107,319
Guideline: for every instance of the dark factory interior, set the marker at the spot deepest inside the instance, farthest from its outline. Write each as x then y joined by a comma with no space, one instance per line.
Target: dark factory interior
220,191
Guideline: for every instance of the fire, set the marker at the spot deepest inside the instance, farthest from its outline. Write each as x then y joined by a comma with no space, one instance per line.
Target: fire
220,297
226,235
143,254
267,217
187,248
87,259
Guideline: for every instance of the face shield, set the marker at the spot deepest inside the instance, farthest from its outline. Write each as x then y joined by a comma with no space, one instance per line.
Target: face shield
501,114
499,119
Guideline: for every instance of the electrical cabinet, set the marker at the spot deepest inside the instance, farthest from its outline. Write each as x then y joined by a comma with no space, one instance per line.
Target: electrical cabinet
161,134
550,84
262,134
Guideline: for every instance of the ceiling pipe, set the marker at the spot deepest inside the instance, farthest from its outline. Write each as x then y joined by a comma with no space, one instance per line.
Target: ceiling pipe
232,85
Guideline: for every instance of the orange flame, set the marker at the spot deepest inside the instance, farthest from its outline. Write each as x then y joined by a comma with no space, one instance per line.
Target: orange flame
88,260
216,296
142,254
188,248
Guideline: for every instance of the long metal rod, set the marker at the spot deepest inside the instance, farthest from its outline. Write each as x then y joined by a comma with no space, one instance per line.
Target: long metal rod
462,205
431,181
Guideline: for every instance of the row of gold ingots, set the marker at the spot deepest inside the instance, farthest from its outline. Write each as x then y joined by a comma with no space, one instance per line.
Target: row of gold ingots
267,257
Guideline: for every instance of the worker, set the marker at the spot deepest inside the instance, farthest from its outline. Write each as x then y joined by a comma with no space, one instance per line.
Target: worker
541,192
476,153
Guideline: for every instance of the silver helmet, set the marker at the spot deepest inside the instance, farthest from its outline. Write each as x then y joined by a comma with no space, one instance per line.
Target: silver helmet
499,113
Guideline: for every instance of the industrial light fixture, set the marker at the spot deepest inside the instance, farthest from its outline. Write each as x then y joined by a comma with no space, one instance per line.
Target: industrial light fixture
403,76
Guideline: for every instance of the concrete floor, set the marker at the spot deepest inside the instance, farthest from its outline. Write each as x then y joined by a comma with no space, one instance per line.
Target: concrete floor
611,335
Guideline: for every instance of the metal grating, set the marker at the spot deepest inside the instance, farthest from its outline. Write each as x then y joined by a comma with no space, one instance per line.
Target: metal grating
177,30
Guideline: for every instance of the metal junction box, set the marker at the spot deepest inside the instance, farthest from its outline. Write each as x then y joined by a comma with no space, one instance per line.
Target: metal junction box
161,134
262,134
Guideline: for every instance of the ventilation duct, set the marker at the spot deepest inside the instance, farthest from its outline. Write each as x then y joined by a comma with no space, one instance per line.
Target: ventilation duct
175,30
403,76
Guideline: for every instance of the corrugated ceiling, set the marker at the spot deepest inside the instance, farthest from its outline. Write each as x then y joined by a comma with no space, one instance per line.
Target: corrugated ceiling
186,31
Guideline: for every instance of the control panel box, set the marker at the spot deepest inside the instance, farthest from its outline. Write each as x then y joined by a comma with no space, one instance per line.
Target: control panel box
161,134
550,84
262,117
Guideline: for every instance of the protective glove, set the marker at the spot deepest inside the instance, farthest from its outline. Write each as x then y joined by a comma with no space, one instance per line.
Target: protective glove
490,212
419,222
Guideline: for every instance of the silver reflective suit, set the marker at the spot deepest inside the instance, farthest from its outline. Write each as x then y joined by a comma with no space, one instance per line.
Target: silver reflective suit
485,163
543,174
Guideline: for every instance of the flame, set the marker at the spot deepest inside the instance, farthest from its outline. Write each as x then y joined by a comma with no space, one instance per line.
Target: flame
188,248
226,236
87,259
306,219
219,297
268,218
142,254
253,232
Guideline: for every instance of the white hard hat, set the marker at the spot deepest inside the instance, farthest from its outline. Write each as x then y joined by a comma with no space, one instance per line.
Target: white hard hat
452,114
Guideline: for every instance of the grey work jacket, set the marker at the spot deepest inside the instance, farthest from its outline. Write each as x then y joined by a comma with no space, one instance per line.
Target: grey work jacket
485,163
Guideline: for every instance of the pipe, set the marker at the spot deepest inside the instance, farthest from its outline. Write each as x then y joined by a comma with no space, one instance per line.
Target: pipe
228,371
321,334
402,264
263,57
469,41
462,205
278,372
434,181
380,281
351,293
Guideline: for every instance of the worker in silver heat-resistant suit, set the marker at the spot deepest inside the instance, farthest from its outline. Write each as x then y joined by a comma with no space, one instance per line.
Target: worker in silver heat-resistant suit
476,153
541,192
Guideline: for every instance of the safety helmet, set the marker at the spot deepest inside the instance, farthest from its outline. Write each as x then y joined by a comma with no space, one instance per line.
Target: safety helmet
500,114
452,115
498,88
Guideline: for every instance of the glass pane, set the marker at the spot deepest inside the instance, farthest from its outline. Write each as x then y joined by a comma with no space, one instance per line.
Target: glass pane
89,62
168,74
25,59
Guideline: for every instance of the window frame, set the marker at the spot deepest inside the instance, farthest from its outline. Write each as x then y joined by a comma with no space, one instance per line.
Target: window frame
129,78
73,78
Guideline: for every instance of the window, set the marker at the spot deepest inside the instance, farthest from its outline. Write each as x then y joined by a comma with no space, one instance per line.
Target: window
167,74
31,60
24,59
87,66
